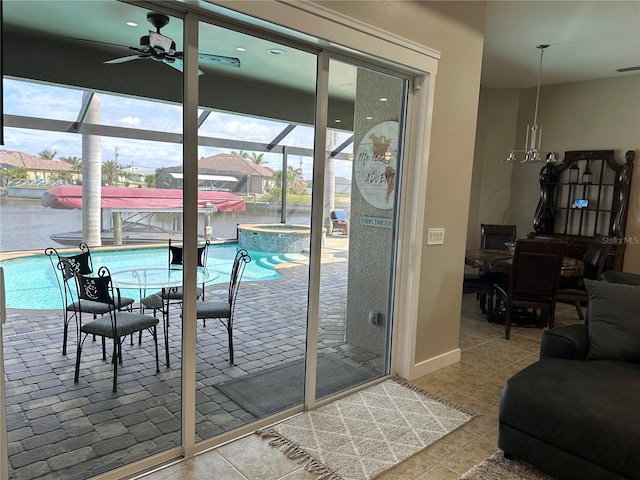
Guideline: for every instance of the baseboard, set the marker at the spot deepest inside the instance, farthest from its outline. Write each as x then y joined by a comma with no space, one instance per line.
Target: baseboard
435,363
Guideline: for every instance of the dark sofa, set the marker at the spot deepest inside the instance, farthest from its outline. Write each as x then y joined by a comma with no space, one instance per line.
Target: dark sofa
575,414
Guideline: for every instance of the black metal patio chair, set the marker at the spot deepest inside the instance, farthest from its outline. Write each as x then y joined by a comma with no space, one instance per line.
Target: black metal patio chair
176,260
65,268
114,324
223,310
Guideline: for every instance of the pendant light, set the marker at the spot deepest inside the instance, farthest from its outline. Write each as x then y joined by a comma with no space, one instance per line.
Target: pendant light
534,131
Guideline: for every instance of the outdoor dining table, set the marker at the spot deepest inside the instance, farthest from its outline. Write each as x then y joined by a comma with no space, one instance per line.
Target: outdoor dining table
158,279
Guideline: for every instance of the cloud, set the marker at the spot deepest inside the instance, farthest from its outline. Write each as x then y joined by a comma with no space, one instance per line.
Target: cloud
129,121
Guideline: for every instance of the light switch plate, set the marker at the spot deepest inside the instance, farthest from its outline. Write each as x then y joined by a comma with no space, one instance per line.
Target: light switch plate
435,236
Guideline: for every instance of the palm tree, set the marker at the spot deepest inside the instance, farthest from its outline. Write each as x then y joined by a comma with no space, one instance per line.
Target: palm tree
241,153
257,158
111,171
75,162
47,154
150,180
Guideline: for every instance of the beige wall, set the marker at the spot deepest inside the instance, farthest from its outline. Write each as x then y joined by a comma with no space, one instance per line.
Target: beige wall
456,30
491,181
594,115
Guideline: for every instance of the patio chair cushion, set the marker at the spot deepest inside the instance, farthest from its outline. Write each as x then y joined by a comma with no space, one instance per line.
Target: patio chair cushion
97,308
175,293
213,309
152,301
127,323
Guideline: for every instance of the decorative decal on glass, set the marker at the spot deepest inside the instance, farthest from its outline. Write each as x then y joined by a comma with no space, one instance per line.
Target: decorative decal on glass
375,167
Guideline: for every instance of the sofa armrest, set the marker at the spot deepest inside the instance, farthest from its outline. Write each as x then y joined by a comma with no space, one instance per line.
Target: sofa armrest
570,342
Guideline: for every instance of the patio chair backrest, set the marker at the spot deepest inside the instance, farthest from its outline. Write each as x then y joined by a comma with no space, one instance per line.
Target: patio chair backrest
240,261
176,257
69,266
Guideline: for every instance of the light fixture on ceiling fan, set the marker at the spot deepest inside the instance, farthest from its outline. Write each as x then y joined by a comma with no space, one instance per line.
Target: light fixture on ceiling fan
534,131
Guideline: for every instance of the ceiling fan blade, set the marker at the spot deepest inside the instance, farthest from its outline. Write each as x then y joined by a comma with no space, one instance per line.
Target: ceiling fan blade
219,60
178,64
210,59
127,59
97,41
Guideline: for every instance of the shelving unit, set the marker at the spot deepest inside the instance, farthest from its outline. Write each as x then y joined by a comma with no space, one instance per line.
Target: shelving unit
575,209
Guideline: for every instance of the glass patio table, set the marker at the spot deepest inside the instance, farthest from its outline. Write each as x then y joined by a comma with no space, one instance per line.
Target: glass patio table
163,280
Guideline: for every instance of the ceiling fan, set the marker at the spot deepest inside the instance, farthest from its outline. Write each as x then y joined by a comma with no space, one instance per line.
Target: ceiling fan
161,48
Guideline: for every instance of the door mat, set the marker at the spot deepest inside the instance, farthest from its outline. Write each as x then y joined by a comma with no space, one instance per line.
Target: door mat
278,388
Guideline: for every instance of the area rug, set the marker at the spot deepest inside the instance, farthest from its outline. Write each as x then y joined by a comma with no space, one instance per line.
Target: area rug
278,388
362,435
497,467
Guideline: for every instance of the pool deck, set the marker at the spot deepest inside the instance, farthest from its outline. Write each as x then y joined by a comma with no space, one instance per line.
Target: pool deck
60,429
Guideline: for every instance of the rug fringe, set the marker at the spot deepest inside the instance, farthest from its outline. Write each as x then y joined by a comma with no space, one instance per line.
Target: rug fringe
294,452
437,398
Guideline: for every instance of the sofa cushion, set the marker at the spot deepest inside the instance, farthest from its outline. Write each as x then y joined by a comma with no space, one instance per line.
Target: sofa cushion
588,409
614,322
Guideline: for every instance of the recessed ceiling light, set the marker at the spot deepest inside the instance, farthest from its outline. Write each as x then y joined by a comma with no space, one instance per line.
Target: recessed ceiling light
241,49
132,24
337,120
383,99
369,118
276,51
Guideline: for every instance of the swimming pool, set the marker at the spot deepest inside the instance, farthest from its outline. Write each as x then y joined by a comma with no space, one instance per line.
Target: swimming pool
30,281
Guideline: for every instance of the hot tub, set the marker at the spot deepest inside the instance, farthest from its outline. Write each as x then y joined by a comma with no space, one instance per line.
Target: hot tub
274,237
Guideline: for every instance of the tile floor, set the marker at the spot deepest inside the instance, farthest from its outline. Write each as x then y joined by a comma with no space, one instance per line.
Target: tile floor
476,382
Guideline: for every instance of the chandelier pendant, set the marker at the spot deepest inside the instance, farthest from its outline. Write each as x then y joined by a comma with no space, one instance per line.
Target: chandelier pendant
532,148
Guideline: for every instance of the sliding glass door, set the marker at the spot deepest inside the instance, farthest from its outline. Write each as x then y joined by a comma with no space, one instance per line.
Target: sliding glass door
363,160
130,145
89,125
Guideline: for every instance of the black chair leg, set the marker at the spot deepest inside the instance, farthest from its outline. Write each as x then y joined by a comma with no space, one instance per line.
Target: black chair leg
64,337
155,340
78,354
507,324
579,310
230,335
116,354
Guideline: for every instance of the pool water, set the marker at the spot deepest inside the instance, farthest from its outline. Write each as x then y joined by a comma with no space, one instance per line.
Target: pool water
30,281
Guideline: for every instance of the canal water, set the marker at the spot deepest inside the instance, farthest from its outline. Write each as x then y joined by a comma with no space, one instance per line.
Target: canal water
26,225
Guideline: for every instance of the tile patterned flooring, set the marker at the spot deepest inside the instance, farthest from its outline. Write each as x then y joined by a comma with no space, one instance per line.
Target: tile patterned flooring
476,382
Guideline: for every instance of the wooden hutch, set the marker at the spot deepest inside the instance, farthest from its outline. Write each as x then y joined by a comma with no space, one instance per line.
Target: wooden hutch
585,195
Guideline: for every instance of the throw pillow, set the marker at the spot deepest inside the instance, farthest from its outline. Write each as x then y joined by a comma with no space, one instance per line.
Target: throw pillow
614,323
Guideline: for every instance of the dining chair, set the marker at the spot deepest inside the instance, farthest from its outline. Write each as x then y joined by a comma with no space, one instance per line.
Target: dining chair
176,261
495,237
114,324
573,290
492,237
65,268
223,310
533,280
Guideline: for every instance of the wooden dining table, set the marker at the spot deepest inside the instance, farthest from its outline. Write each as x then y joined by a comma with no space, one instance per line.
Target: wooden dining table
500,261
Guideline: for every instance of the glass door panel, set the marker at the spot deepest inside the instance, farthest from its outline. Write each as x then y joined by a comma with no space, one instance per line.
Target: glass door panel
365,120
256,143
93,137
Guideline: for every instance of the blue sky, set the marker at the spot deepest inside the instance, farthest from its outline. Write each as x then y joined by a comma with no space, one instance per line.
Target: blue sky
52,102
